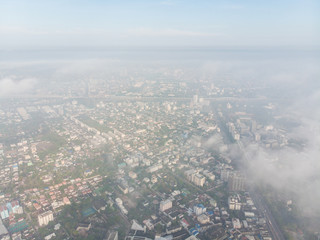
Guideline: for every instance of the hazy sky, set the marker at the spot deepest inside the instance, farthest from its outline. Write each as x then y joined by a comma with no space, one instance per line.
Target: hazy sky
159,22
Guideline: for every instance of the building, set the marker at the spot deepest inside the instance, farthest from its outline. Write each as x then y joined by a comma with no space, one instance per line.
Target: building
124,188
111,235
257,137
199,180
173,229
135,226
45,218
203,219
236,223
133,175
236,182
165,205
195,177
48,237
154,168
4,212
84,227
234,202
120,205
4,234
189,174
10,208
199,209
66,201
209,175
195,99
224,175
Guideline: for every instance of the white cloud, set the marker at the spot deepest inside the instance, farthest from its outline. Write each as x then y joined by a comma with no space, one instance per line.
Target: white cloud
295,171
12,87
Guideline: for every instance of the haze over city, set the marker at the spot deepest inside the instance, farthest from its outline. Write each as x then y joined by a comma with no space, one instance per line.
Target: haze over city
159,119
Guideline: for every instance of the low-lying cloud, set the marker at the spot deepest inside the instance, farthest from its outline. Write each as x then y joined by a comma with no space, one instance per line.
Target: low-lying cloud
291,170
10,86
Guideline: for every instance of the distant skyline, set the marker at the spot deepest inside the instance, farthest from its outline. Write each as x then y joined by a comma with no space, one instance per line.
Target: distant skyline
44,23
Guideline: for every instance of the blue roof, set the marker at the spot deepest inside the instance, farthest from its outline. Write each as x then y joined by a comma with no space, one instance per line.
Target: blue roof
195,233
88,212
200,205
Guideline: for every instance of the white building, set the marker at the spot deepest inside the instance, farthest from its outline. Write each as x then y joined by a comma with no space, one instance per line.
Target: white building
236,223
234,202
154,168
165,205
199,180
199,209
111,235
45,218
209,175
195,177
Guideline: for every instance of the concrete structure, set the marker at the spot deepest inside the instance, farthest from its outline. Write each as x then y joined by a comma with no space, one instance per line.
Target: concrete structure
195,177
45,218
4,234
236,182
111,235
224,175
124,188
165,205
84,227
234,203
4,212
133,175
199,180
203,219
154,168
199,209
236,223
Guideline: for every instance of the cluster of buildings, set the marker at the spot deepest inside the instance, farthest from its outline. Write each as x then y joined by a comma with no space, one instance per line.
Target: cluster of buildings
10,208
244,126
156,152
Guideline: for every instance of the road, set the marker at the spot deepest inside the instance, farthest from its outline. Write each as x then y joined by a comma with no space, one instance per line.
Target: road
271,223
263,208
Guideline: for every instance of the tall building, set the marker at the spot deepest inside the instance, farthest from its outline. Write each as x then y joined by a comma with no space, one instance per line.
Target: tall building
236,182
4,234
234,202
165,205
199,209
224,175
253,126
45,218
195,99
199,180
195,177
